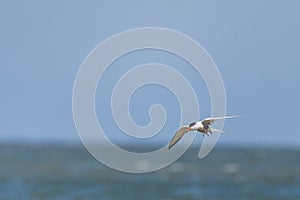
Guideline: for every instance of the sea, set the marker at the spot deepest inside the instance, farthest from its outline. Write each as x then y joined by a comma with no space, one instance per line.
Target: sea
48,171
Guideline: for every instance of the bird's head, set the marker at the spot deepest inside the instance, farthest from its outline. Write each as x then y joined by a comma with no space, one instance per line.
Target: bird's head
192,124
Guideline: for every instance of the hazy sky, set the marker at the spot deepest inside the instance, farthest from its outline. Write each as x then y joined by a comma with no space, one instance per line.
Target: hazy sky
255,45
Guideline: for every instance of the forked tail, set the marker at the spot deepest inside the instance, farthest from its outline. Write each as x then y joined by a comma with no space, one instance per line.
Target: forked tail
217,130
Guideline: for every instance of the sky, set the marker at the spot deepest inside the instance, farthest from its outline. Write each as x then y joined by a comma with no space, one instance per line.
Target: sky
255,45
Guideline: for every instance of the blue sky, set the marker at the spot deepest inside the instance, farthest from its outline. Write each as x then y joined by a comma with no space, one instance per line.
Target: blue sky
255,45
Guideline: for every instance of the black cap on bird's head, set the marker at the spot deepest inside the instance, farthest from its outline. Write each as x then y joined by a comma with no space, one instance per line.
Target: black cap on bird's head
192,124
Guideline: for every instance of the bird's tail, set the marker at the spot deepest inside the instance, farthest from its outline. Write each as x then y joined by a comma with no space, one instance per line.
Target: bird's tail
217,130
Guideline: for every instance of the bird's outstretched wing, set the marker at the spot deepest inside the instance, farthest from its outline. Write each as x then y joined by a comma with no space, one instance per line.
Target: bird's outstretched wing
178,135
209,121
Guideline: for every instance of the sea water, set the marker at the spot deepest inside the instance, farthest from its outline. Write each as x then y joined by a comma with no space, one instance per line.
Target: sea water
70,172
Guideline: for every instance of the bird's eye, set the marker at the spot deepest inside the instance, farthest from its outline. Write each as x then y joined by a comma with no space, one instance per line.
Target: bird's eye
192,124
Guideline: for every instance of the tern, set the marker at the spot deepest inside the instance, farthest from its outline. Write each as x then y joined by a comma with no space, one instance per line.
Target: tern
201,126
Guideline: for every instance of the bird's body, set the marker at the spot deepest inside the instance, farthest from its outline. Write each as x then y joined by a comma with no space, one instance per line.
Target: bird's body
201,126
198,126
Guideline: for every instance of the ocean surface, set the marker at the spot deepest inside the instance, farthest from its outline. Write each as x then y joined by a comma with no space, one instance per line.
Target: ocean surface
70,172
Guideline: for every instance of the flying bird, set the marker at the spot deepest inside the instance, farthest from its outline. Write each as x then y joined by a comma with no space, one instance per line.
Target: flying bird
201,126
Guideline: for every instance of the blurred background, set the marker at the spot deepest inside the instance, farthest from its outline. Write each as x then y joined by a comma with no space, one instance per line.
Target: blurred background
255,45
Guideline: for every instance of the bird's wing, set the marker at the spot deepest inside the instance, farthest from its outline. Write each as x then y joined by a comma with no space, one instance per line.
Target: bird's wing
208,121
178,135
